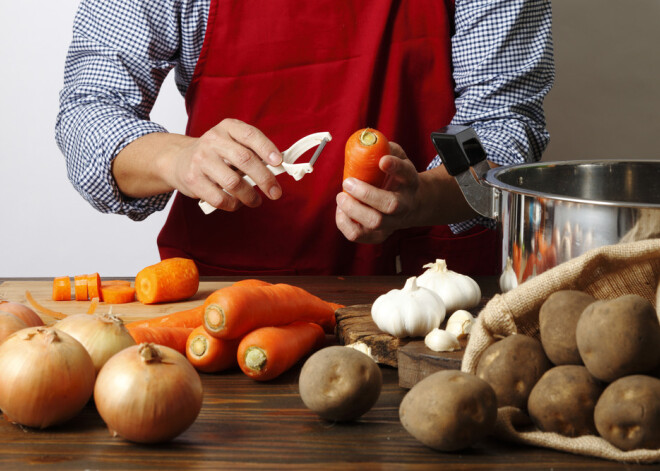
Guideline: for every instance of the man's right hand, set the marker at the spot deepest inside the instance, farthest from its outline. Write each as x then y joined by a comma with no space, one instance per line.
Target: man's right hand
209,168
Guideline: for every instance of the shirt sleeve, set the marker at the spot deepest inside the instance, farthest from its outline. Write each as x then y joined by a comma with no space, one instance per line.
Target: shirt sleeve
118,58
503,68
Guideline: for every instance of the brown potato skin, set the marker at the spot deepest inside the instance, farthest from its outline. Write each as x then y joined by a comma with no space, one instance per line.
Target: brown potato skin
563,401
449,410
512,366
340,383
558,318
628,413
619,337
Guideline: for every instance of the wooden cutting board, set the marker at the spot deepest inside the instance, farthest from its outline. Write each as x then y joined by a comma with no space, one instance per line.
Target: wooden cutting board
42,292
413,359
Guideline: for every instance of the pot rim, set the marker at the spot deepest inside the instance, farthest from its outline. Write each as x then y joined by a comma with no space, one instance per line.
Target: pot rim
494,175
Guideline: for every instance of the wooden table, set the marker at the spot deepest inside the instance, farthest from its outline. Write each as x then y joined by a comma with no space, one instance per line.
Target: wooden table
244,424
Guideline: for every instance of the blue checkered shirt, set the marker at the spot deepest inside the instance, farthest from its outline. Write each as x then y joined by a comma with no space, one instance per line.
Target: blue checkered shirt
122,50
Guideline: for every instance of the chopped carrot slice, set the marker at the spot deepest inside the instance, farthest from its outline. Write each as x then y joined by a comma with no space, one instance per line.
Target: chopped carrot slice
105,283
80,287
118,294
94,286
62,288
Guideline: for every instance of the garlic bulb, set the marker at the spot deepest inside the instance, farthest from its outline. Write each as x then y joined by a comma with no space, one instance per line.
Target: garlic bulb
456,290
412,311
508,278
440,340
460,323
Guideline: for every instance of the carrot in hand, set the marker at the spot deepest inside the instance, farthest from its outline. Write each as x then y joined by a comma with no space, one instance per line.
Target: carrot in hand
80,287
233,311
172,279
208,354
362,155
62,288
267,352
118,294
173,337
186,318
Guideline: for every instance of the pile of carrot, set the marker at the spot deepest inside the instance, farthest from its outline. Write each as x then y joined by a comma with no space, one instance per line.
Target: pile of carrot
265,328
89,287
262,328
173,279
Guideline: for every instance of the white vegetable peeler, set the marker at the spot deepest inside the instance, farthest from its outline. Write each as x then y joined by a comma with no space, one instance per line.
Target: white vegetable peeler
288,165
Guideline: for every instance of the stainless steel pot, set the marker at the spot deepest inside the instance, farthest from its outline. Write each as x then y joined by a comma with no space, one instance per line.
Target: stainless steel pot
550,212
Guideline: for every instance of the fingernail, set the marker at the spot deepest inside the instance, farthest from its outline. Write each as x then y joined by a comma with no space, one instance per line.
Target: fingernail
275,192
275,158
349,184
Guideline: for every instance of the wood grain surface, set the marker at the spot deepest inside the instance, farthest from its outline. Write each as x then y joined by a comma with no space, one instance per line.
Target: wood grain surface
244,424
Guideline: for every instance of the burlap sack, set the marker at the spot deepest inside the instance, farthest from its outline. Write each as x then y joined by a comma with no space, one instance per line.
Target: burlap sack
605,273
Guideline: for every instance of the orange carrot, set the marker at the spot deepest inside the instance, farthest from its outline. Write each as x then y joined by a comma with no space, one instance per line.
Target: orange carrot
62,288
173,337
172,279
80,287
267,352
233,311
93,305
94,286
251,282
43,309
187,318
105,283
255,282
208,354
363,151
118,294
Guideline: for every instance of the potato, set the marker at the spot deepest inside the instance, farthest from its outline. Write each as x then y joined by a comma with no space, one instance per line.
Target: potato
628,413
619,337
449,410
563,401
512,366
340,383
558,318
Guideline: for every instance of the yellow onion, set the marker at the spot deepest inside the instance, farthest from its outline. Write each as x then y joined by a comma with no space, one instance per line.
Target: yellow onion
148,393
9,324
47,377
23,312
101,335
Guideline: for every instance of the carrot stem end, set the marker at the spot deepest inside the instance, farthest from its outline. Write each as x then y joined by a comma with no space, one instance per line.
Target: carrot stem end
255,358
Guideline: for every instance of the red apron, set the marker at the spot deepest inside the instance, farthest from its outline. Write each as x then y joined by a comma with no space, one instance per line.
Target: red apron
294,68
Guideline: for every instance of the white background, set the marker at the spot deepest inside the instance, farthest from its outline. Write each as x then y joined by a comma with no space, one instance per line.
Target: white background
606,104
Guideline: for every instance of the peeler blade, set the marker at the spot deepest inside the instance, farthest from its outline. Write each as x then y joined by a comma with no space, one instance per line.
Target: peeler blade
318,151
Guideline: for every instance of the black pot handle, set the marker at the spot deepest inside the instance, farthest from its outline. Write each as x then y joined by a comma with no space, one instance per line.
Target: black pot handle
459,148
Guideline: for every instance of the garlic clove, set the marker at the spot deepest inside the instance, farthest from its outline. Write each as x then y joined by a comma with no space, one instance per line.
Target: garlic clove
440,340
508,278
412,311
361,347
460,323
457,291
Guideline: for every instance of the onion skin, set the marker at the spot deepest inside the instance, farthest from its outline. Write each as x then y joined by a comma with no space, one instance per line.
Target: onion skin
148,393
101,335
9,323
27,315
47,377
